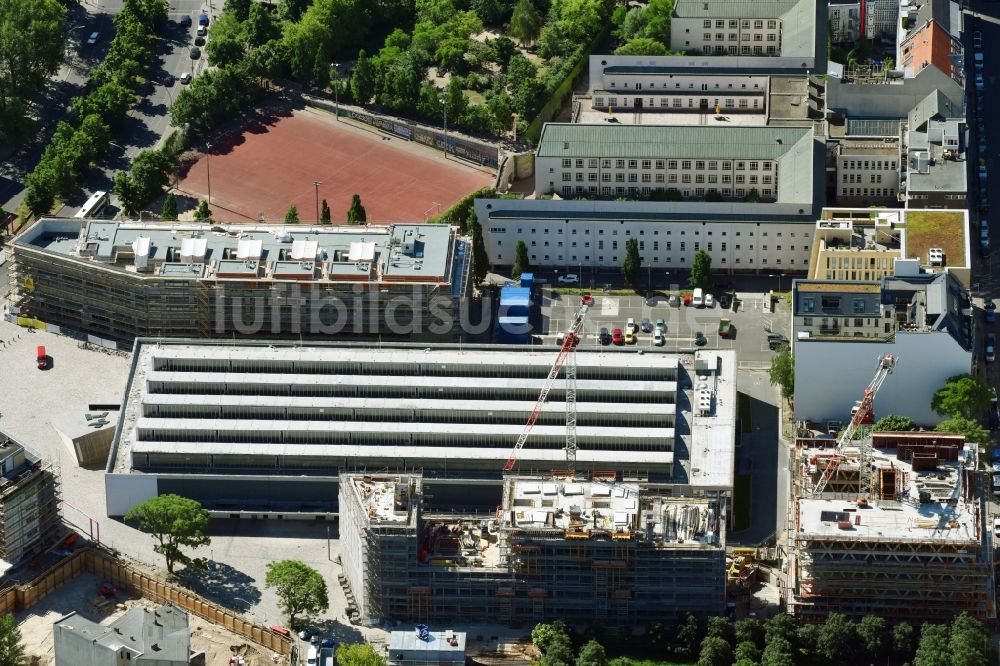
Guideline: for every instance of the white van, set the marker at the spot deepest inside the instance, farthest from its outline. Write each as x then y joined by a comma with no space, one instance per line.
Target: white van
312,656
698,298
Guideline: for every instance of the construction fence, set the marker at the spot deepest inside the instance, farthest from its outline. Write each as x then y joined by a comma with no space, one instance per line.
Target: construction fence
476,152
123,576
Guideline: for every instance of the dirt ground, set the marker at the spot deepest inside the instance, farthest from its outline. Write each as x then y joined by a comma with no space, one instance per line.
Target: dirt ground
80,594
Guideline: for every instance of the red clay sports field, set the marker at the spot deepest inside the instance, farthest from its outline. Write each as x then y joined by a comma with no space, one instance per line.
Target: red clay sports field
265,169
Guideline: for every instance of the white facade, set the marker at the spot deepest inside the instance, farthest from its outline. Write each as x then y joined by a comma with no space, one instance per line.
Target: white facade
578,236
868,172
646,89
831,376
726,36
845,20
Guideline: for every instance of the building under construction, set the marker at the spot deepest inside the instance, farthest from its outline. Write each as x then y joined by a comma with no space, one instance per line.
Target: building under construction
591,549
29,504
902,536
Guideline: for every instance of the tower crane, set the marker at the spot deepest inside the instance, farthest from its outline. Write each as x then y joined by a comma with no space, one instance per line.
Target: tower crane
566,353
861,414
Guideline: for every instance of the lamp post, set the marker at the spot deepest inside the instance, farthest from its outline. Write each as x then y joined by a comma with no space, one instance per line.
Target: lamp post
444,106
316,184
336,91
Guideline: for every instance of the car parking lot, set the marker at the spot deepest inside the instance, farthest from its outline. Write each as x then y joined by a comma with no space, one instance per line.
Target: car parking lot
750,322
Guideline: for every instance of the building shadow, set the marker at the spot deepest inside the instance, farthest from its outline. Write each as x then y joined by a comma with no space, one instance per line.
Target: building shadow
222,584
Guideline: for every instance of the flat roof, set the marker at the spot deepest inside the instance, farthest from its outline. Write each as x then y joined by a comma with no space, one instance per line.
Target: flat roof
437,641
713,432
397,252
826,286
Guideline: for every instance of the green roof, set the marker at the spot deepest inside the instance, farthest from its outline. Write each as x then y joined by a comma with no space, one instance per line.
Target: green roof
665,141
741,9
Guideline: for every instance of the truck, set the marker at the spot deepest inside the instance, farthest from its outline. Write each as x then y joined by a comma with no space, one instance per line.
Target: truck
41,358
725,327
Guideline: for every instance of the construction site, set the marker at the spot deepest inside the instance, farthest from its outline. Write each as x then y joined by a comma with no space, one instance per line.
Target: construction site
581,549
887,523
29,504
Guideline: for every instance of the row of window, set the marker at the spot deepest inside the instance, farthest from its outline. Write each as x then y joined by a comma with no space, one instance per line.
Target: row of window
857,178
837,322
656,246
690,86
591,177
734,37
677,103
876,165
867,192
668,260
700,165
758,24
607,190
642,232
732,49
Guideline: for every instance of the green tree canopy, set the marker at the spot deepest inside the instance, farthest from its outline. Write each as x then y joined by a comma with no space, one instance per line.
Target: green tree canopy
933,649
169,210
971,430
31,49
904,642
358,654
701,270
893,423
715,651
203,213
12,651
781,625
521,263
748,651
749,629
632,263
292,215
356,213
543,634
969,642
642,46
782,372
480,260
301,589
174,521
874,637
525,22
777,653
363,79
689,637
962,395
592,654
837,639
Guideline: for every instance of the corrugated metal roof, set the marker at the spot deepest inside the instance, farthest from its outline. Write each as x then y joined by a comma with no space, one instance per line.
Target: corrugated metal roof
872,127
766,9
666,141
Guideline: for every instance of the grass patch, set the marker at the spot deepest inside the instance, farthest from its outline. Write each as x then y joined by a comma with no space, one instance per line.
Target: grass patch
475,98
741,502
943,229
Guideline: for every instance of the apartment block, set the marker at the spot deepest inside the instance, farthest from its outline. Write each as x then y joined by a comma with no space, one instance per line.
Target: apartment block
898,534
122,280
855,249
265,429
772,28
30,523
583,548
864,161
773,164
935,171
142,636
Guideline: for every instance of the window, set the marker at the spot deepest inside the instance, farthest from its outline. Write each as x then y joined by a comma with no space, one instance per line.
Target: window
772,24
605,177
647,164
619,164
672,164
758,25
632,178
567,176
646,178
700,165
859,305
592,163
707,24
567,163
686,164
605,164
660,163
659,177
619,178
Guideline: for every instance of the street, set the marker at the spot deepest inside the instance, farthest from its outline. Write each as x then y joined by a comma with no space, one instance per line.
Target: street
148,122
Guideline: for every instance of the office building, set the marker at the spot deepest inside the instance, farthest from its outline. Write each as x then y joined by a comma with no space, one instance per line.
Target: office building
935,174
582,548
864,160
122,280
856,248
30,523
265,428
771,28
899,535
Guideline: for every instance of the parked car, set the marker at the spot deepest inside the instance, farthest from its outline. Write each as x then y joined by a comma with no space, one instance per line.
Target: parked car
569,278
647,326
185,21
698,298
991,347
195,53
709,301
203,19
629,337
604,337
699,339
775,340
617,337
658,338
94,36
977,39
308,633
199,41
185,78
202,31
674,301
661,325
630,325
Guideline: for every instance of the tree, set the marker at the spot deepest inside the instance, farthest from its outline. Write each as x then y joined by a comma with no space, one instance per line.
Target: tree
689,636
521,264
837,639
969,643
480,260
777,653
746,650
324,213
806,639
454,99
658,13
715,651
592,654
11,649
904,642
722,628
525,22
169,211
203,213
632,263
933,648
559,652
301,589
358,654
239,8
749,629
544,634
292,215
782,626
894,423
125,189
642,46
753,196
259,27
174,521
363,79
701,270
874,637
31,49
962,395
782,372
356,213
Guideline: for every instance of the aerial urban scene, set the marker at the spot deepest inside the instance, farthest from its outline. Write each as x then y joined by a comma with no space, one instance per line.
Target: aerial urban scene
498,332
